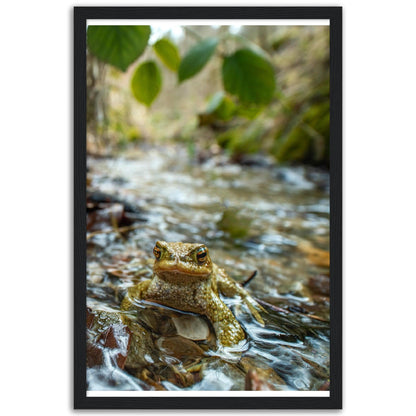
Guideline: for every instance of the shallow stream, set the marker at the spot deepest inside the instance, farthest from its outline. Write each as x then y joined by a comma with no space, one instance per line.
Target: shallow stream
262,217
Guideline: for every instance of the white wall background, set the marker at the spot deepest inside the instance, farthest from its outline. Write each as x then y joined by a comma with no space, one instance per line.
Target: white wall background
36,200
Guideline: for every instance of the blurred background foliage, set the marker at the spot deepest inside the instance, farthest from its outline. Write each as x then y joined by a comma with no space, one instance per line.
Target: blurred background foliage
248,92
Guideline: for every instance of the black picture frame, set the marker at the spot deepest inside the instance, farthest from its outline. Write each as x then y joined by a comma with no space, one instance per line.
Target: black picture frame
81,401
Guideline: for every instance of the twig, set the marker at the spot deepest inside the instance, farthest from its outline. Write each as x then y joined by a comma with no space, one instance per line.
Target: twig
248,280
318,318
277,309
269,305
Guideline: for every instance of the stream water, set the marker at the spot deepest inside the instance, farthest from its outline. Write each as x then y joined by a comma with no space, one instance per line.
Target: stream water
264,218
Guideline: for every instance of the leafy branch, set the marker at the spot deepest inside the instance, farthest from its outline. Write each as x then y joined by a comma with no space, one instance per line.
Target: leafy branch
247,74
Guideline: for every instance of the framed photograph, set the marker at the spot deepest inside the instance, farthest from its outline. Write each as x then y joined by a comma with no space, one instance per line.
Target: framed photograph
207,207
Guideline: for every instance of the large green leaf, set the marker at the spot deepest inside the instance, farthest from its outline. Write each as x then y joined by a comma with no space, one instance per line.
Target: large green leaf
196,58
250,76
118,45
146,82
168,53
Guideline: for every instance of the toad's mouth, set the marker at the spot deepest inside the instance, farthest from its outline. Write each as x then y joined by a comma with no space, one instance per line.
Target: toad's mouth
177,271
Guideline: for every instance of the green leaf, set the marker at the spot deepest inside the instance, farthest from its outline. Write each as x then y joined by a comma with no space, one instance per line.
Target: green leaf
196,58
146,82
249,76
249,111
118,45
168,53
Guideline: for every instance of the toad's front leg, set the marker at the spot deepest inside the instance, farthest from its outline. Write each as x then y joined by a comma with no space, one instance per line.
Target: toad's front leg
136,292
227,329
230,288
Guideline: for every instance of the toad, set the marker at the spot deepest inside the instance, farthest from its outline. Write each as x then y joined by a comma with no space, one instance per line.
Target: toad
185,278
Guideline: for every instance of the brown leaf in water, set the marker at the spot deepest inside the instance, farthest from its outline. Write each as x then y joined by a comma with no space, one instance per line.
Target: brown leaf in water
192,327
319,284
179,347
314,255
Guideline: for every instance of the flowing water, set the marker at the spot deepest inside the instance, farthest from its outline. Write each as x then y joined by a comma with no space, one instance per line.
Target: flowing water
264,218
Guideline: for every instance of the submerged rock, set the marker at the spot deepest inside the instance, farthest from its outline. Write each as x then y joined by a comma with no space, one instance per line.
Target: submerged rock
234,223
217,374
106,332
142,350
113,336
261,377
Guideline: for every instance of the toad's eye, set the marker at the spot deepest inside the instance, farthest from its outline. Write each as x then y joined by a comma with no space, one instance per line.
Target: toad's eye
201,254
157,252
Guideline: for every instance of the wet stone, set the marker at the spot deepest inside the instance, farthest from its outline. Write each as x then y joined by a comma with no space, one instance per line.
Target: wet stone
177,376
183,349
220,375
261,377
142,351
106,332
